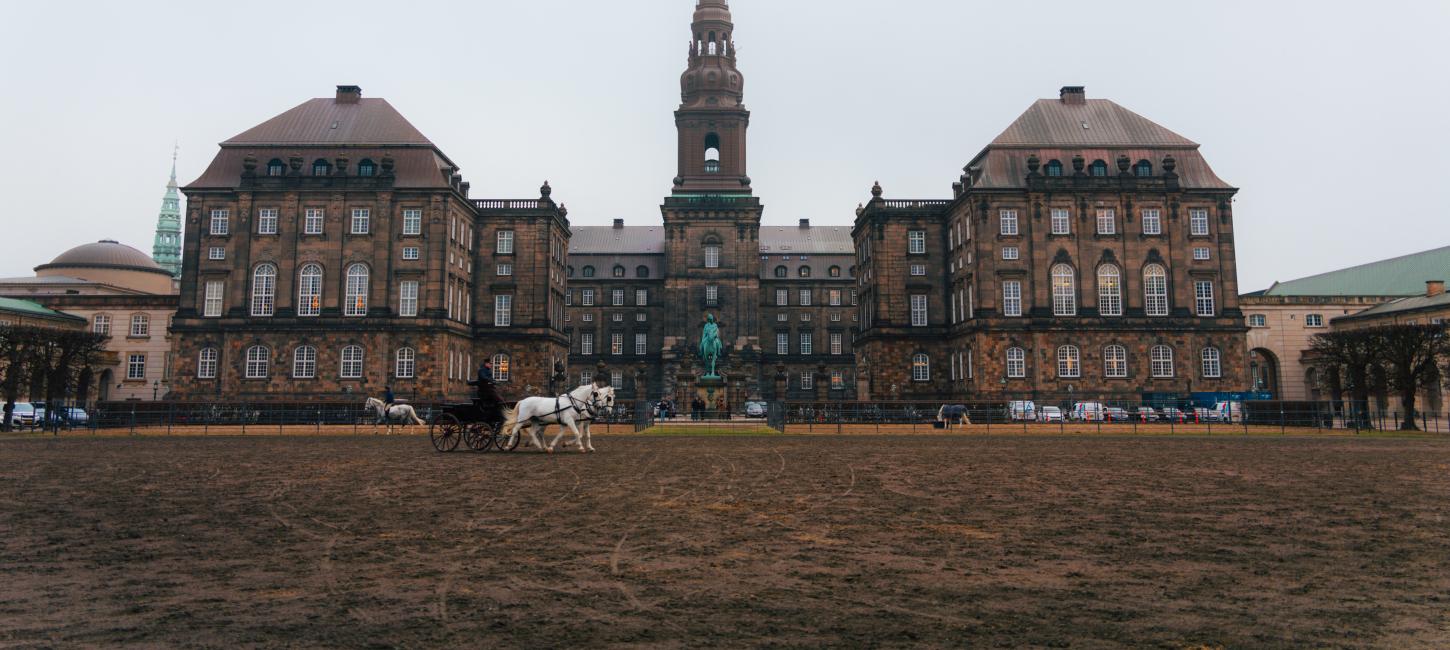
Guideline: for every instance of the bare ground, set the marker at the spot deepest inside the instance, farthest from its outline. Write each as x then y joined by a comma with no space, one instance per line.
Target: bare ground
719,541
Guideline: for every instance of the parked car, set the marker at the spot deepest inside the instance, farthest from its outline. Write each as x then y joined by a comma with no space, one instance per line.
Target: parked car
1117,414
24,415
1147,414
1050,414
1088,412
1022,411
755,409
1173,414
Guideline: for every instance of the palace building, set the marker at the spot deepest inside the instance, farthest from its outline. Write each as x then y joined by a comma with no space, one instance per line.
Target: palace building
1086,253
334,250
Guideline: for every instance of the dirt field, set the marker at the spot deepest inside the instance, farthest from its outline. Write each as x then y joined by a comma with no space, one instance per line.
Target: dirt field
725,541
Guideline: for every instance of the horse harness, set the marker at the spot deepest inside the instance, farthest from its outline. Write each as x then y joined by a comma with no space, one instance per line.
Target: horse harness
587,411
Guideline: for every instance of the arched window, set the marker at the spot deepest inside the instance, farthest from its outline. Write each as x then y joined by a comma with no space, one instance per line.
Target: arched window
357,291
804,271
1115,362
502,368
1069,362
712,255
781,272
352,362
1162,356
1110,291
641,272
1143,169
1054,168
304,362
1098,168
309,290
834,272
1155,290
275,167
921,367
1064,293
1016,363
618,271
264,290
407,363
206,362
1212,363
366,168
588,271
571,271
712,152
258,364
321,167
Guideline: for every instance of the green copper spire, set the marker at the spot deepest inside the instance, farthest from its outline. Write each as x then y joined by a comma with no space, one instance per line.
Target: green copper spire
167,249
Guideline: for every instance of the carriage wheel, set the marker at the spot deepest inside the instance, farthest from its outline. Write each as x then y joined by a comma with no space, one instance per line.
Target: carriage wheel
478,437
503,440
445,432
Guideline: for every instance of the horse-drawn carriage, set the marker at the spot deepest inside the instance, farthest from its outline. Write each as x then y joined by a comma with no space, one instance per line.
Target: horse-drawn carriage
477,428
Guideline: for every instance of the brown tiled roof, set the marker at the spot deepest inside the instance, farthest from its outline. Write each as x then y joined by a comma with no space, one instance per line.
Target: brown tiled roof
325,121
1094,123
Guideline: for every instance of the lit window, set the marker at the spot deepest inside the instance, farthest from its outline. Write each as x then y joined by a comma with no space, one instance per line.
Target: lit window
1016,363
1110,291
1064,293
257,362
312,220
1061,222
408,299
221,222
505,246
212,305
1009,222
918,311
834,297
838,380
1314,320
136,367
361,221
502,368
1115,362
352,362
1162,357
406,364
1069,362
267,221
1203,298
503,310
1012,298
1152,222
616,344
357,291
1107,222
1198,222
304,362
206,364
1010,253
1155,290
309,290
1212,363
921,368
916,242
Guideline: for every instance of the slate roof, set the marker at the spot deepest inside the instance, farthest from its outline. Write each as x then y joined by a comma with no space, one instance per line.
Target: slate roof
608,240
818,240
1054,123
28,308
1400,276
327,122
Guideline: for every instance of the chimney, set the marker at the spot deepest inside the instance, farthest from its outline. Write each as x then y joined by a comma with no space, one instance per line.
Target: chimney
805,223
1434,288
1076,95
618,224
349,94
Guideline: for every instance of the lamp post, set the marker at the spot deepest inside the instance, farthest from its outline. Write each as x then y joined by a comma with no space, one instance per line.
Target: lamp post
155,389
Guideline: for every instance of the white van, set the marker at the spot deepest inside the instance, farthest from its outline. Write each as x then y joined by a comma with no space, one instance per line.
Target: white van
1089,412
1022,411
1228,412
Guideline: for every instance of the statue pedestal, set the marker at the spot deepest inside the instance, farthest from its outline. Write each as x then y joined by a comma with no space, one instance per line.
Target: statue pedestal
711,389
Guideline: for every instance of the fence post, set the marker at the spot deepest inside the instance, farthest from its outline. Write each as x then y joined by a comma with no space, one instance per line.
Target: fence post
1283,423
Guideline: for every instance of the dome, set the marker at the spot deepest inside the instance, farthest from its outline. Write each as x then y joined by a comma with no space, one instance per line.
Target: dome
105,254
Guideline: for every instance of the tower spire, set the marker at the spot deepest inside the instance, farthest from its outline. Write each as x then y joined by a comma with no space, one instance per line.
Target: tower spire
167,248
712,118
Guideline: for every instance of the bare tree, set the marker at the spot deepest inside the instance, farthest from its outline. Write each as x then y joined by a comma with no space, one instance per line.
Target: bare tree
1351,356
51,361
1411,355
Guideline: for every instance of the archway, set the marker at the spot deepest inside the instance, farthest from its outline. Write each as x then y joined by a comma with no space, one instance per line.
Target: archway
103,392
1264,368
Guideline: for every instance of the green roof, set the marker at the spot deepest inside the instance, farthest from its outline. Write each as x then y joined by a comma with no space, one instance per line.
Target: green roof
1400,276
27,308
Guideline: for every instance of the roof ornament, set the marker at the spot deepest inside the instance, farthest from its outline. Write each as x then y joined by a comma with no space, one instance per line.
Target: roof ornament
876,190
545,191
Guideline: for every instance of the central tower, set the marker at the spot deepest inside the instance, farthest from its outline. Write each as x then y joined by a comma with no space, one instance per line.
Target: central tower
712,219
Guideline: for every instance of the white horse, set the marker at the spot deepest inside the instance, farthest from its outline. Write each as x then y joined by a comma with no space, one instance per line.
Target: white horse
581,406
400,413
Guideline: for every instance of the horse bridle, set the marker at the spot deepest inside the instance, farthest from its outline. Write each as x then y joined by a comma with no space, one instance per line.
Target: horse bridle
590,409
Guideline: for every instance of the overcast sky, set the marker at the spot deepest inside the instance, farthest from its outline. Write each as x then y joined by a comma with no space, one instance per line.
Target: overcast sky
1330,115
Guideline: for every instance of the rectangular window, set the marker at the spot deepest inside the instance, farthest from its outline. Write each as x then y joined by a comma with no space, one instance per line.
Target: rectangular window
834,297
505,242
1009,222
854,299
586,343
616,344
312,219
617,298
837,347
1202,253
1107,222
641,297
140,326
805,296
1258,320
805,317
408,299
267,221
807,344
618,318
1115,362
1203,297
712,257
918,270
1016,363
136,367
586,297
411,253
1198,222
503,310
102,325
1010,253
1152,222
1061,222
641,317
782,318
505,270
221,222
212,307
916,242
918,311
712,294
361,221
808,380
1314,320
1012,298
641,344
588,318
206,364
838,380
782,343
782,297
216,253
412,222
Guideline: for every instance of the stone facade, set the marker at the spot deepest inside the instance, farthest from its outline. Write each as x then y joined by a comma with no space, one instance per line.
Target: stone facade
337,268
1040,281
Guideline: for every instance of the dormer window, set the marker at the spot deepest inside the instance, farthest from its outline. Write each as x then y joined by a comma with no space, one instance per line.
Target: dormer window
618,271
1144,169
1054,168
367,168
781,272
321,167
275,167
1099,168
